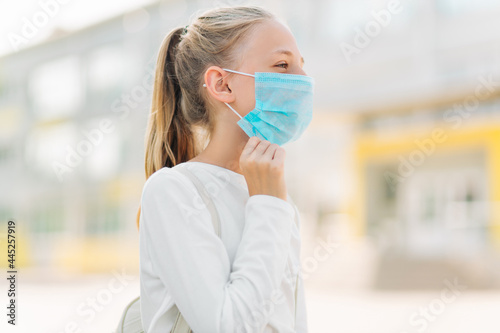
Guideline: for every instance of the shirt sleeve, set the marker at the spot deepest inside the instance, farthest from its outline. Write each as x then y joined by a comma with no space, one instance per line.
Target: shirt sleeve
191,260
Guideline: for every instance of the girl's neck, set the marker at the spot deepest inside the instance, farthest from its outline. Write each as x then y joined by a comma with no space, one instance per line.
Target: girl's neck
224,151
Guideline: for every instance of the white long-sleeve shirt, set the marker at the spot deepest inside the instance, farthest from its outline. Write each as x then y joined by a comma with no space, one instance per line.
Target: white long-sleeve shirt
243,281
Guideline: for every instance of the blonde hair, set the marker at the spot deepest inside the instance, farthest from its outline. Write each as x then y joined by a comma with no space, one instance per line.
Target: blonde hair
179,104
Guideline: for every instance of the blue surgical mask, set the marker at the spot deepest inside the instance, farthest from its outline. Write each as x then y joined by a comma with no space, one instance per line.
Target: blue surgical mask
283,107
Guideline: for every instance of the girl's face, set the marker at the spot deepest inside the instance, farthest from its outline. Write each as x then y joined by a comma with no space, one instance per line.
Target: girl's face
271,47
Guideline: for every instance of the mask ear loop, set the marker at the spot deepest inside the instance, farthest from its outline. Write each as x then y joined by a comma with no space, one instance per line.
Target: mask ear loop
230,70
242,73
233,110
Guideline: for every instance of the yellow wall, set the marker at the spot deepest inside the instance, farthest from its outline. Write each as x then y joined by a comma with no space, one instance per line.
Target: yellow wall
374,147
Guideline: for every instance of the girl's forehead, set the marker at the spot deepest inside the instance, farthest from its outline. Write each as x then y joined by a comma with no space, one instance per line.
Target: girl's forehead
272,38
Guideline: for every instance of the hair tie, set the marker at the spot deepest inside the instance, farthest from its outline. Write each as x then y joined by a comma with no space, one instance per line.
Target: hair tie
184,31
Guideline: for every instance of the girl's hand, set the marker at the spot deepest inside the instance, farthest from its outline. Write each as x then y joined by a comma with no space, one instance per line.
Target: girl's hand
263,165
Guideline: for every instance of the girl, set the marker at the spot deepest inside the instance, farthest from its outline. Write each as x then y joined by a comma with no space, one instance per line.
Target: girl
225,66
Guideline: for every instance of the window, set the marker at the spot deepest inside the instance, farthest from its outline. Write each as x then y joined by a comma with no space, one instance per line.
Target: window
460,7
347,16
106,69
48,219
50,145
102,219
56,88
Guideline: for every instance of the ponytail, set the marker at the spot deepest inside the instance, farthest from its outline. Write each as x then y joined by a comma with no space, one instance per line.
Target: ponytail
169,138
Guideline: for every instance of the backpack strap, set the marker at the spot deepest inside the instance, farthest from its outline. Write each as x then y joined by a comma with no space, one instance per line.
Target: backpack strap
204,195
297,222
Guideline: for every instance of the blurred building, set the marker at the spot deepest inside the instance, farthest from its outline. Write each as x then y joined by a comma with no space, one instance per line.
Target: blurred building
419,84
73,115
403,151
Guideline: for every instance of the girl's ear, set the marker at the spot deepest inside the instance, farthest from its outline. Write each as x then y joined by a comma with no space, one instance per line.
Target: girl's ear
217,84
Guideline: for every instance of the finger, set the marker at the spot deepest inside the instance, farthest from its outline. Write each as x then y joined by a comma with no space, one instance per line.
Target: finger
250,146
270,151
260,149
279,156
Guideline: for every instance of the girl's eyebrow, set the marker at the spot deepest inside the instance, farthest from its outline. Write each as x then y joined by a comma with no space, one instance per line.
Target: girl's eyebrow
289,53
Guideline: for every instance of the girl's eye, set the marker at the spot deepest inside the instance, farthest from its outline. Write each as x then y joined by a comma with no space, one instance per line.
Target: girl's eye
283,64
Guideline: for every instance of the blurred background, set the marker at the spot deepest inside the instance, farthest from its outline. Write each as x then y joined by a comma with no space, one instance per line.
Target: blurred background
397,178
